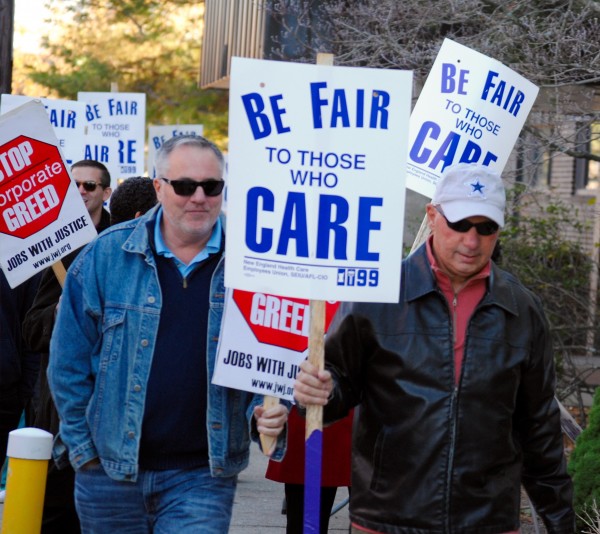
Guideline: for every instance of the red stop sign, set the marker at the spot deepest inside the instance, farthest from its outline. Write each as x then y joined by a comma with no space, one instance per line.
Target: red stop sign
33,186
279,321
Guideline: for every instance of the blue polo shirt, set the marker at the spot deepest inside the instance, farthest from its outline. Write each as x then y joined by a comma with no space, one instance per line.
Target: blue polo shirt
212,247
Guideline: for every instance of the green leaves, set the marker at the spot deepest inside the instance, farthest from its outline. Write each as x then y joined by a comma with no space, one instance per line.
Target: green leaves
149,46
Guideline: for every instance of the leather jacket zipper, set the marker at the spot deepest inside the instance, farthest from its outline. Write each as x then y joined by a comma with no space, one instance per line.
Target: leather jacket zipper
454,334
454,305
453,415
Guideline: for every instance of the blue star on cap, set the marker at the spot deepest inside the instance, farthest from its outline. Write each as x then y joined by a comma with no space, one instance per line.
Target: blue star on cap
477,187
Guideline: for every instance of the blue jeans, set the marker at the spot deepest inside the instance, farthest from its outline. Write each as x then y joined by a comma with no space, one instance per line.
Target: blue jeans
159,502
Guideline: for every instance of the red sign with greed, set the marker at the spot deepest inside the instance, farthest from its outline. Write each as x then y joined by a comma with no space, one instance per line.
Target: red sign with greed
33,186
279,321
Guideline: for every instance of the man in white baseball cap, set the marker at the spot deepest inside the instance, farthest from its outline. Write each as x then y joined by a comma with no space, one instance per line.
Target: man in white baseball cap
455,384
468,196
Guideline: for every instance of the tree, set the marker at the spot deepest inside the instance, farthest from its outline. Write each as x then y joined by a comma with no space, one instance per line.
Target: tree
148,46
553,43
584,467
557,269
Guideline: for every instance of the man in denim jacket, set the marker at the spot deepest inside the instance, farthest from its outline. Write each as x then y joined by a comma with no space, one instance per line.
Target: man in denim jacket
155,445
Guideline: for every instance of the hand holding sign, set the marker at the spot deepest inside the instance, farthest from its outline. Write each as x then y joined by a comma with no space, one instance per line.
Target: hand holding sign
270,419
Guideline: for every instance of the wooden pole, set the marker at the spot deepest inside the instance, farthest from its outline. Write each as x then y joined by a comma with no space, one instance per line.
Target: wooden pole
60,272
316,356
313,460
314,414
7,21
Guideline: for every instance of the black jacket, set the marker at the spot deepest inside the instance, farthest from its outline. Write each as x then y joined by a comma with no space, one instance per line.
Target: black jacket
37,330
19,365
429,456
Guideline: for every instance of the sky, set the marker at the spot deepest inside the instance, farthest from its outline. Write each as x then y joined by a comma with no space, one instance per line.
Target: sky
29,20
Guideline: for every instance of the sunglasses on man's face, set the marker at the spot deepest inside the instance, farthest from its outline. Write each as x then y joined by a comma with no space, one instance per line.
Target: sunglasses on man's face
187,187
485,228
88,186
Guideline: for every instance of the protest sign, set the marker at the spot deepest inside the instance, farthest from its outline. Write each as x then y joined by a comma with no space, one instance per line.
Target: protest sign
263,341
471,110
157,135
316,188
116,132
67,118
42,215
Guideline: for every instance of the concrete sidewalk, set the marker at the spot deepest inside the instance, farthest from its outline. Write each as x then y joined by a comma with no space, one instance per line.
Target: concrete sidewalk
258,501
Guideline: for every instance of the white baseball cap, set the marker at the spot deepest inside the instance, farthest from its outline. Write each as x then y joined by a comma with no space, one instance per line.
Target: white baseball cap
470,189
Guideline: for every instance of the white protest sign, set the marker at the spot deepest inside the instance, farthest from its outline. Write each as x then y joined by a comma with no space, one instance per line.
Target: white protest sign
157,135
263,341
316,180
116,132
66,116
42,214
471,109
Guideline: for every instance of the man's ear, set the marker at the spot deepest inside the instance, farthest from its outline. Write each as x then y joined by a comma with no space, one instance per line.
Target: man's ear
431,213
106,194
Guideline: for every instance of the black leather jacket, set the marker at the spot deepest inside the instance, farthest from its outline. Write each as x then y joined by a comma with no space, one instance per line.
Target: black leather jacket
429,456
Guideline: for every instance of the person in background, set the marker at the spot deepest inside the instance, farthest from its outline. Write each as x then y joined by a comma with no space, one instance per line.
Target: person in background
19,365
59,515
132,198
335,471
455,384
155,445
93,181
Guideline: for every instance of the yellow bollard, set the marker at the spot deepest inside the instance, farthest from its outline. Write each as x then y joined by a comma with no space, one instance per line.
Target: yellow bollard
28,452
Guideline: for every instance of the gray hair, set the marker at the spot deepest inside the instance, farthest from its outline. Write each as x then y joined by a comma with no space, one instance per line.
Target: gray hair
161,161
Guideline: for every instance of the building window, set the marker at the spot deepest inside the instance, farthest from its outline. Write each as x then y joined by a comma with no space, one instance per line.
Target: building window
534,161
593,167
587,172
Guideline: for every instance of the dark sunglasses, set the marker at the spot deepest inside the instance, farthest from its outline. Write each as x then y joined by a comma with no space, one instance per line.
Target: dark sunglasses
186,187
88,186
483,228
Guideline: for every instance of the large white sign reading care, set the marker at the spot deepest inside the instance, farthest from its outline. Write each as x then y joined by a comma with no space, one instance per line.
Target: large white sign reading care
316,180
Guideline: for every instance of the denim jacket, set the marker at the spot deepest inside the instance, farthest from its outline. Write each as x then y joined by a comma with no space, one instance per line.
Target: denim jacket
101,353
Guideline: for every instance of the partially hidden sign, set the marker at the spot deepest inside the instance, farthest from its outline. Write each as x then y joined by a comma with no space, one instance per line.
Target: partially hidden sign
263,341
67,118
316,180
471,110
42,215
116,132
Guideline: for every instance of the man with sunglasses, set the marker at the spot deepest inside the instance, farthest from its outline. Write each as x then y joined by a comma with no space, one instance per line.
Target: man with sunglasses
93,182
155,445
454,384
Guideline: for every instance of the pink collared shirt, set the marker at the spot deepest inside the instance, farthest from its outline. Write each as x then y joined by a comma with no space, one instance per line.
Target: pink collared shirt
461,304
